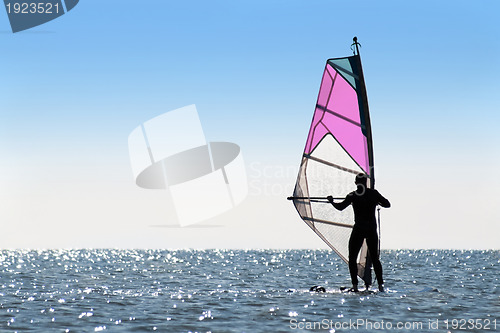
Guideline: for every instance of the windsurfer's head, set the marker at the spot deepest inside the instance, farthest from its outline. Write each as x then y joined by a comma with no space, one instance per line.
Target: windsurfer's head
361,179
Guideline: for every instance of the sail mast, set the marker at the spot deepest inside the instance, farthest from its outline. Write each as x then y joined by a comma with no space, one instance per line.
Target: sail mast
367,130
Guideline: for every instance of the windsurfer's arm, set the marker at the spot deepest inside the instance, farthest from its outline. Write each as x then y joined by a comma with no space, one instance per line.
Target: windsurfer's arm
341,205
383,201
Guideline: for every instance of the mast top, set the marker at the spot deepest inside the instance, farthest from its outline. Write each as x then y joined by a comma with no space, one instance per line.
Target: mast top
355,49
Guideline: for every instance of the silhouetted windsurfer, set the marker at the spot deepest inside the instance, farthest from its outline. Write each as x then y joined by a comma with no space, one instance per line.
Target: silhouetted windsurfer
364,202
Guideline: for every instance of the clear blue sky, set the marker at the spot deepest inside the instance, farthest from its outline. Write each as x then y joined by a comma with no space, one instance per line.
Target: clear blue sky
74,88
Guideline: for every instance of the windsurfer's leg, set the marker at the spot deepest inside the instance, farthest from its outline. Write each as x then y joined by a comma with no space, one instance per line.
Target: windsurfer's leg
372,243
355,243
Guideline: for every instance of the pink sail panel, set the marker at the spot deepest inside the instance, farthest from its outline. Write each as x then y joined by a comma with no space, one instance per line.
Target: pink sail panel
317,131
344,100
325,90
337,112
326,87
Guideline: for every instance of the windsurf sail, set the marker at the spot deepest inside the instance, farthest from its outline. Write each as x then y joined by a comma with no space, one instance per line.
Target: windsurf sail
338,147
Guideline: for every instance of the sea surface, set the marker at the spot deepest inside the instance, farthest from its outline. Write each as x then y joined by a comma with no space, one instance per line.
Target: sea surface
244,291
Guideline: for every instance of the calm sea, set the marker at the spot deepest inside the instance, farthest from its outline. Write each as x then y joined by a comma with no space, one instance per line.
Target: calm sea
244,291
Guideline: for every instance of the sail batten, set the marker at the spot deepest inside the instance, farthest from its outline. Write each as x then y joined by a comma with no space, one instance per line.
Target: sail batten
338,115
328,222
339,146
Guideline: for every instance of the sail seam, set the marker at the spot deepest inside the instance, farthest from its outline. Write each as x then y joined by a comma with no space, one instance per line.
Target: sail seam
330,164
324,108
312,219
331,63
352,158
327,242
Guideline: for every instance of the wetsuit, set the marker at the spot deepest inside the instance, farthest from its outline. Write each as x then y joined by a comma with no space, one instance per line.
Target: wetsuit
365,226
